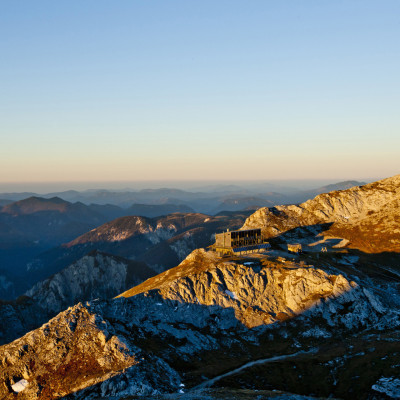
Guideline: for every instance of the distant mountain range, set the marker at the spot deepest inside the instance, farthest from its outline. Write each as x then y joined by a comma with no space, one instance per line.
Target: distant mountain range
210,200
156,210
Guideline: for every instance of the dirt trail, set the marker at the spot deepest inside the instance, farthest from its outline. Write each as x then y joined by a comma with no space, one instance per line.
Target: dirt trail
210,382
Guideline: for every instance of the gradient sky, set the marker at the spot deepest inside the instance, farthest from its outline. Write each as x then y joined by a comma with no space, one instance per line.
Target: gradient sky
139,90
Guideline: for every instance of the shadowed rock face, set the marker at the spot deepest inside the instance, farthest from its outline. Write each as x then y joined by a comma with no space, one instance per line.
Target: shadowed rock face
19,317
97,275
367,216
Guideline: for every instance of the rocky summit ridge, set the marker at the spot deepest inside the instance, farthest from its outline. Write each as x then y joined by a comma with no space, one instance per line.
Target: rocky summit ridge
262,291
363,217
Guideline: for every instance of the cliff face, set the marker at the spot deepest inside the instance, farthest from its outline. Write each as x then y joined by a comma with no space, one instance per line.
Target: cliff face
97,275
367,217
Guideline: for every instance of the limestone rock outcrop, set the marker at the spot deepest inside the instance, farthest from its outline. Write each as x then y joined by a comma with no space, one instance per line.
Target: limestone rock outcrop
261,292
367,217
75,350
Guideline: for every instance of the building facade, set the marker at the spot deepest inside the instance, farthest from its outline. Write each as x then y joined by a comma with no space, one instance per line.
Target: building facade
238,242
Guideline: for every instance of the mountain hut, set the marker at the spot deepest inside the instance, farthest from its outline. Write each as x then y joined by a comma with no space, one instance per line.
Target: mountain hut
239,242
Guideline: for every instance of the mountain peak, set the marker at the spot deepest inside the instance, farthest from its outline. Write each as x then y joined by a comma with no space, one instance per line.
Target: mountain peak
35,204
366,216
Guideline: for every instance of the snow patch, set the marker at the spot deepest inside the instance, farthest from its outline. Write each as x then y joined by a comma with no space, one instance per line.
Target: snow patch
231,294
20,385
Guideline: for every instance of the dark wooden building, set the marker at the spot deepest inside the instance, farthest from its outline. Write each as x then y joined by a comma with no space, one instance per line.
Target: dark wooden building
237,242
